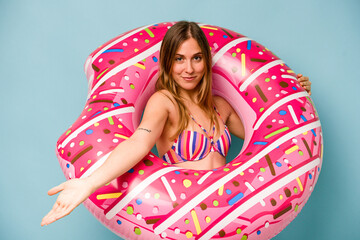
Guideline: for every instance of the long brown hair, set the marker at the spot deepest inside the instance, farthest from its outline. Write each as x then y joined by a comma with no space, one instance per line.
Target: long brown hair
174,37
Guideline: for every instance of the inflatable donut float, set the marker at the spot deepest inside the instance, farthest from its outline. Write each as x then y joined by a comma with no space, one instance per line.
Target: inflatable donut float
254,196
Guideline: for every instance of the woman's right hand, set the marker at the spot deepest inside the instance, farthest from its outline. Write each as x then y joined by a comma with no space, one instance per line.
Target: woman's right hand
72,193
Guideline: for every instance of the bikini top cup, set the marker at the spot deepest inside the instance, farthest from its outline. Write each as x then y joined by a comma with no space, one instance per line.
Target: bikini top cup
193,145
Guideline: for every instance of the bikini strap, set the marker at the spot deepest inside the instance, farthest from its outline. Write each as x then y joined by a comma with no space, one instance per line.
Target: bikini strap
219,115
211,137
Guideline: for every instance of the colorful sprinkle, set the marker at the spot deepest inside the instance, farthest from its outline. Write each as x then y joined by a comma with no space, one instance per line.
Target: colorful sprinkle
137,231
130,210
236,198
187,183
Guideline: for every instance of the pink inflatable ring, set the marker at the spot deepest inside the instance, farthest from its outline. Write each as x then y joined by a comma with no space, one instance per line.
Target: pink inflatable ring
253,197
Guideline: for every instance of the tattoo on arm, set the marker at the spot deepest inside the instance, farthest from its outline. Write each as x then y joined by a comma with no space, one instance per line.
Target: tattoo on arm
148,130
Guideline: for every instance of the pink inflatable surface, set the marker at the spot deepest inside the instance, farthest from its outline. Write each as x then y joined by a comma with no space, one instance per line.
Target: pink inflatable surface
254,196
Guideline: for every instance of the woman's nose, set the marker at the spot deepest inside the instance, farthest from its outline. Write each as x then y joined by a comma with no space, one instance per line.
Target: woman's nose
189,67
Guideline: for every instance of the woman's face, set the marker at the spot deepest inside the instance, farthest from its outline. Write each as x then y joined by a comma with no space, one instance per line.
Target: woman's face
188,66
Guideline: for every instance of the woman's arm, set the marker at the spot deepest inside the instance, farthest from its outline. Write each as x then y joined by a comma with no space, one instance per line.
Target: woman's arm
124,156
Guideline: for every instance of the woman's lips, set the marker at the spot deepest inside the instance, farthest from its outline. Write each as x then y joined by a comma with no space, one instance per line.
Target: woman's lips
189,78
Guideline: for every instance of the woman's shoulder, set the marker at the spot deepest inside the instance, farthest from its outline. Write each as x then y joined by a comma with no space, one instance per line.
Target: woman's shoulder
162,98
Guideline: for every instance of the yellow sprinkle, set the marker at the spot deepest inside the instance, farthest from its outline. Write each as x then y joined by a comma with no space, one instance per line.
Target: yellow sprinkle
81,169
108,196
121,136
196,221
243,69
300,185
322,150
238,50
187,183
242,174
221,190
281,197
235,164
156,195
189,234
139,66
120,126
136,50
94,96
211,28
305,133
96,124
290,71
292,149
207,219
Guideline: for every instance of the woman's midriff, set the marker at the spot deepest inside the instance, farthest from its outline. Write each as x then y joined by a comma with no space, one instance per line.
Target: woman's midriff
211,161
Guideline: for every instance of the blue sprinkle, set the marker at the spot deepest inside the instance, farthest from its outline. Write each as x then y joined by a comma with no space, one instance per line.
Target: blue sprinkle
260,143
278,164
155,59
225,36
282,112
294,88
95,114
236,198
118,222
89,131
215,169
258,232
249,44
228,191
177,172
131,170
116,104
310,176
318,169
67,165
312,130
303,118
138,201
114,50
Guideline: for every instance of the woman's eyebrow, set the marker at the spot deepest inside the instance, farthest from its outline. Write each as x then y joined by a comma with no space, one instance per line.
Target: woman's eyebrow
181,55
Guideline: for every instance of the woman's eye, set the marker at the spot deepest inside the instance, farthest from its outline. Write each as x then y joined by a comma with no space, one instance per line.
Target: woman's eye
178,59
197,58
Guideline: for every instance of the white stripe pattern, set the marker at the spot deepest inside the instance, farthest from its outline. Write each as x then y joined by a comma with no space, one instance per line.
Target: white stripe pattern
115,90
276,105
258,72
203,178
118,40
259,196
293,115
168,188
138,189
126,64
224,49
95,120
288,76
180,212
95,166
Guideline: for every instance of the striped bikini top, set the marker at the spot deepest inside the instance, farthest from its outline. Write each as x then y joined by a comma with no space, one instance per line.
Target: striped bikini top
193,145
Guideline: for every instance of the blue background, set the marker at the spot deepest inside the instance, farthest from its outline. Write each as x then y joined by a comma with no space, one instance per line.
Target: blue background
44,44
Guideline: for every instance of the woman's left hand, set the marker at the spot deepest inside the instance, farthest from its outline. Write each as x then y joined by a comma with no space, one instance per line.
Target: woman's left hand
304,82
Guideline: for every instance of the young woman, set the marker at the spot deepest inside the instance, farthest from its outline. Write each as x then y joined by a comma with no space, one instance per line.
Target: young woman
189,114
